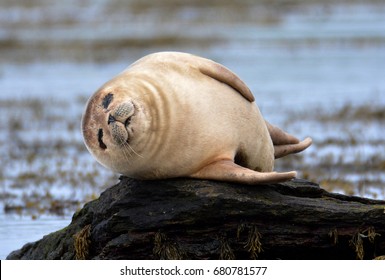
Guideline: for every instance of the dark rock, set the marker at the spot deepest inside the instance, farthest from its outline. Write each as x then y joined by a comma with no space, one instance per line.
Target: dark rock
195,219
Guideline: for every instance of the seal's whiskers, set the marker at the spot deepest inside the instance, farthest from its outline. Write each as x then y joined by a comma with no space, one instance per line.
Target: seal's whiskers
132,150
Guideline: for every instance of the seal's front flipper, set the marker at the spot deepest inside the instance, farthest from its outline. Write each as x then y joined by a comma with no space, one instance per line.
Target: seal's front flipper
227,170
224,75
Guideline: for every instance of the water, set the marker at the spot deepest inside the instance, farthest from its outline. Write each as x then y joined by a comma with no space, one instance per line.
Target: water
315,69
17,231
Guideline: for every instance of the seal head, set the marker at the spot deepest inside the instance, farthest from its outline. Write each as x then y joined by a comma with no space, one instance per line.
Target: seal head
109,125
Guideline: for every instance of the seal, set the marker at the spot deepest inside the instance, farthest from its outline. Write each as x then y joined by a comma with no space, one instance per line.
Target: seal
175,114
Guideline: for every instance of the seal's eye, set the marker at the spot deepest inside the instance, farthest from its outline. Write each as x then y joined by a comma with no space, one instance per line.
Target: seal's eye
107,100
100,139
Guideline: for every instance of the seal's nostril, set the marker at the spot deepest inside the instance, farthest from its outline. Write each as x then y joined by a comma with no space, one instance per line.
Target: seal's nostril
111,119
127,122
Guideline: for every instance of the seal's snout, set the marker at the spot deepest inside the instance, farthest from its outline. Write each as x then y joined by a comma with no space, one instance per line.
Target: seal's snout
112,119
122,113
119,120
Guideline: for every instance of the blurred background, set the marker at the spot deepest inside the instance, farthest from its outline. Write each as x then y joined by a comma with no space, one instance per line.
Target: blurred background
315,67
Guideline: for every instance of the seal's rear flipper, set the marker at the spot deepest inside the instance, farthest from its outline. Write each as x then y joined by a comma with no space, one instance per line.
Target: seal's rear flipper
284,143
227,170
283,150
280,137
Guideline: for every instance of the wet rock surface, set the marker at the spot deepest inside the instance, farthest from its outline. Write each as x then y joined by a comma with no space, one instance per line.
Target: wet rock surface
196,219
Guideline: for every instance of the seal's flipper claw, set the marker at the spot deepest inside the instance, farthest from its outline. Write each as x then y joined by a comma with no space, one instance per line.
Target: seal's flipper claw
227,170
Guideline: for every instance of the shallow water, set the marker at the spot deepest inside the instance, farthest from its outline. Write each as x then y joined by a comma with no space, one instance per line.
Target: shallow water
315,69
17,231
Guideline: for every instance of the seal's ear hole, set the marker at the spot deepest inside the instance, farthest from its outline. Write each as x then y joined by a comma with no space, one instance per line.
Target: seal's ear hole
100,139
